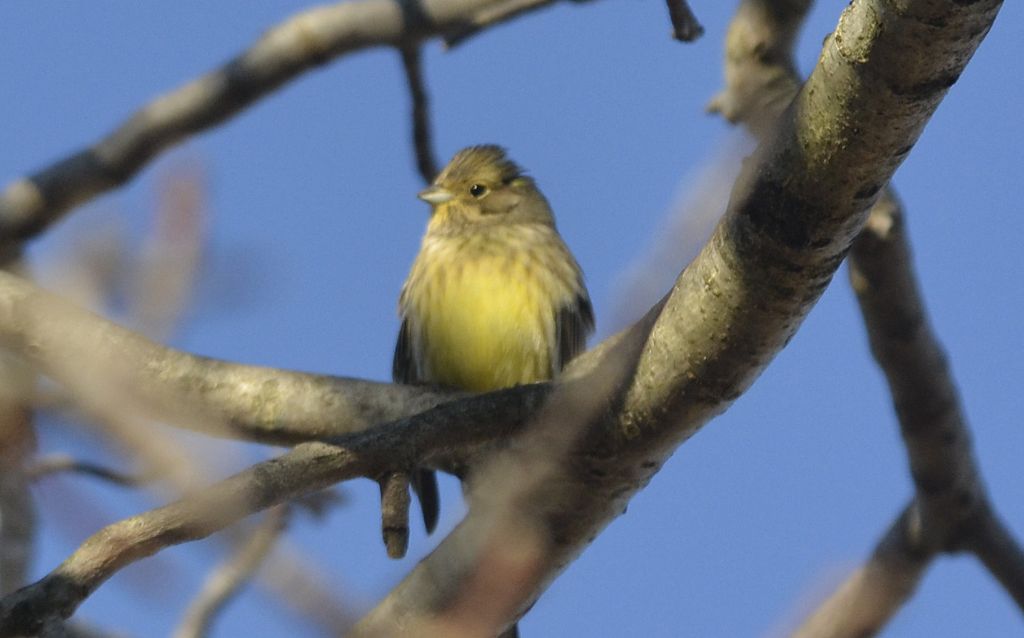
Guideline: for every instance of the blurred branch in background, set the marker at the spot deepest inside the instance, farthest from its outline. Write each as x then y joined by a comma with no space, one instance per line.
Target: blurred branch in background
17,445
45,466
761,78
153,294
703,199
225,581
17,511
293,577
168,265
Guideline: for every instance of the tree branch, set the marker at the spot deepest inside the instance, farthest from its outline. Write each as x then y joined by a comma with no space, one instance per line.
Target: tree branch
955,512
938,443
95,359
761,79
1000,553
300,44
685,26
422,143
950,509
17,525
58,463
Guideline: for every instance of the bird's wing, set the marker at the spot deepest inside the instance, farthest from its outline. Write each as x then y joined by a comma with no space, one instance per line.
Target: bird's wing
403,367
573,322
423,481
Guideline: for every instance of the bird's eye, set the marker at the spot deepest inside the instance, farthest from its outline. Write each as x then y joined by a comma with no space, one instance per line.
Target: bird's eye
478,190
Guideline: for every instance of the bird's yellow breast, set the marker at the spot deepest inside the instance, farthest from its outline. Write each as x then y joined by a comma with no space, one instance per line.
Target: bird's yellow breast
484,319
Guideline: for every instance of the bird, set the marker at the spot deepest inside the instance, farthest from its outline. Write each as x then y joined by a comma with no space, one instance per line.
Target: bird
494,297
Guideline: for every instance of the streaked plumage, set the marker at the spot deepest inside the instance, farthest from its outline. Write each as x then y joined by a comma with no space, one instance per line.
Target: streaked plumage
494,298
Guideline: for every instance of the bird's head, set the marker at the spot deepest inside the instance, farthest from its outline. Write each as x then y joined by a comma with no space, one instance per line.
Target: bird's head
481,186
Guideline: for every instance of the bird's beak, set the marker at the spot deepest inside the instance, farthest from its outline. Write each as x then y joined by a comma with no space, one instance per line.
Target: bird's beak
436,195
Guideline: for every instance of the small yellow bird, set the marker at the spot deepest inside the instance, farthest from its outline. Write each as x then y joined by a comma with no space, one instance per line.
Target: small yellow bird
494,298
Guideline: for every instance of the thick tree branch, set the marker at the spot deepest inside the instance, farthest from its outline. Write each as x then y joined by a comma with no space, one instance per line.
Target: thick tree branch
797,207
94,358
300,44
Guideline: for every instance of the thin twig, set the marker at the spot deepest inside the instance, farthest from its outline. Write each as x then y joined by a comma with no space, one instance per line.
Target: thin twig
685,26
58,463
426,161
225,581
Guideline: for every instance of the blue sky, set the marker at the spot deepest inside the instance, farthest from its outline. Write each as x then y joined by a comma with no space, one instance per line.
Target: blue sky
314,223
